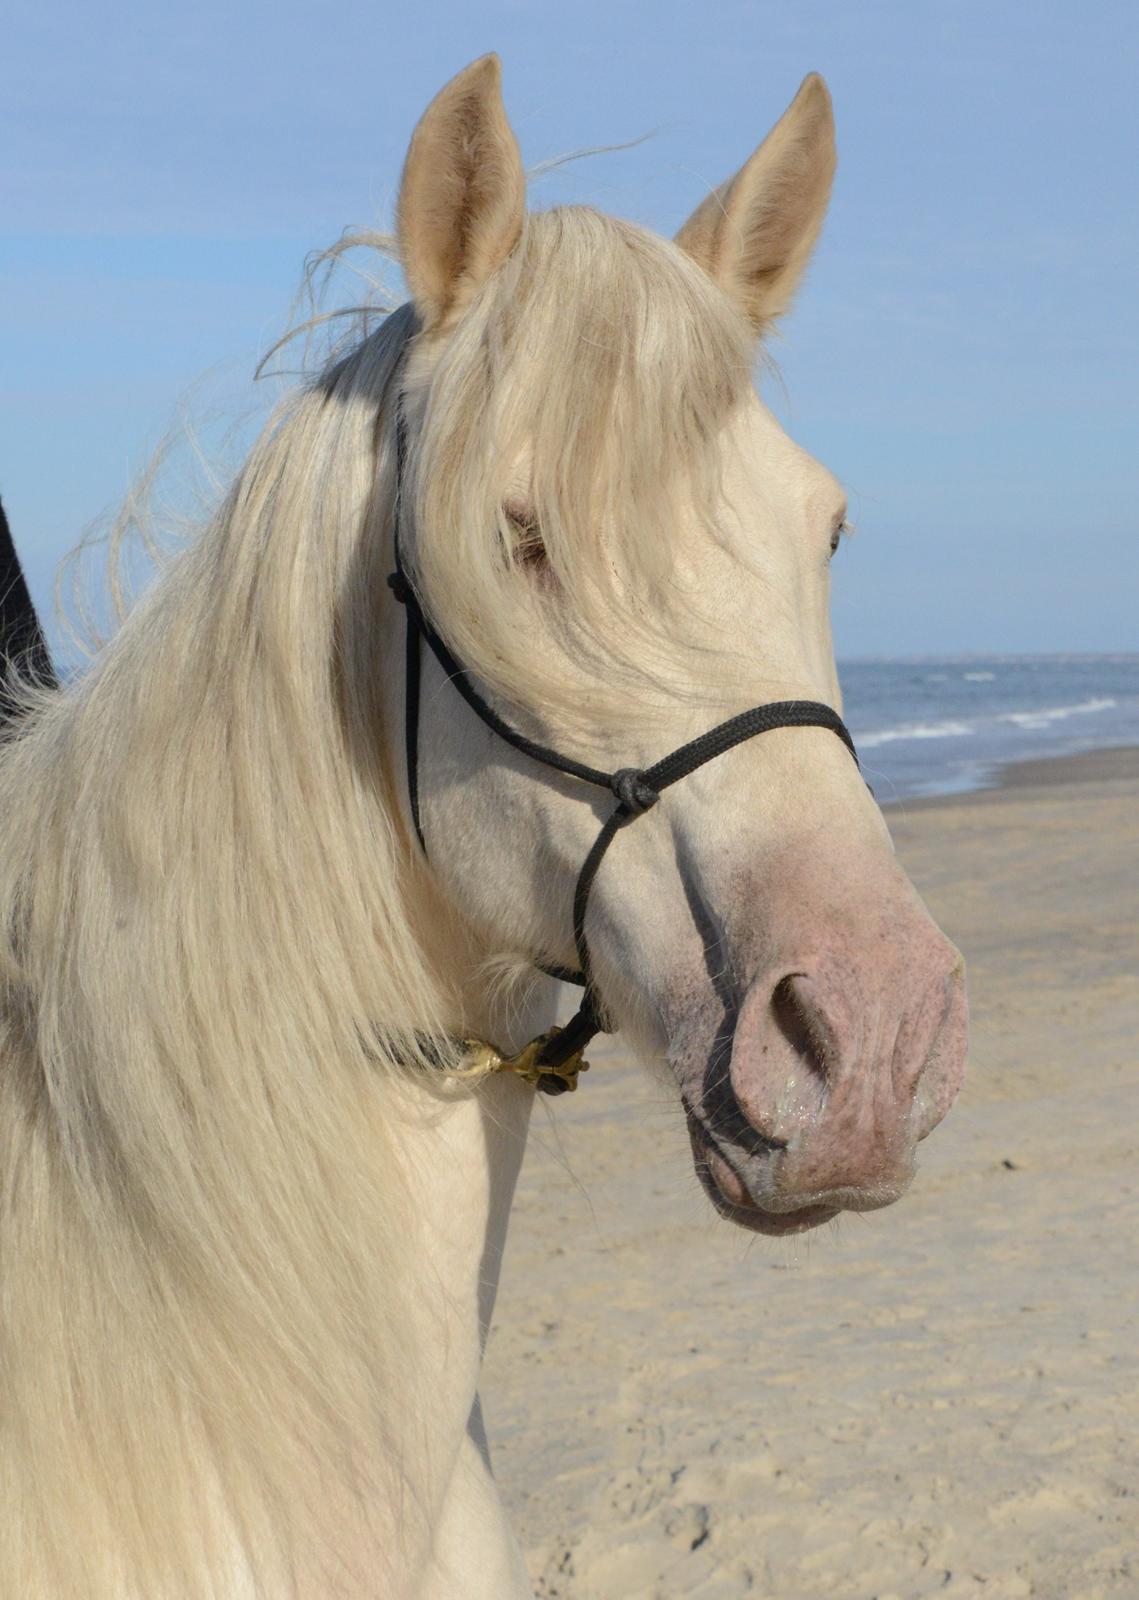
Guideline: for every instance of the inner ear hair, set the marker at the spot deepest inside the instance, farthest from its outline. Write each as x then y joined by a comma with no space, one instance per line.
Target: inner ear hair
462,199
754,234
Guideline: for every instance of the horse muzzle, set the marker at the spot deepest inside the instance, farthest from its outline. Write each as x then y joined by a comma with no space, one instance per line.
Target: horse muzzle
831,1070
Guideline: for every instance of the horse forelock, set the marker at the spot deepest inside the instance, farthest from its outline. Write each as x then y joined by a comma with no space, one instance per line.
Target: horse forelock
595,373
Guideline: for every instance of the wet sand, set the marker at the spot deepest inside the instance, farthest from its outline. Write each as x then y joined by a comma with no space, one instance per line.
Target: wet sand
938,1399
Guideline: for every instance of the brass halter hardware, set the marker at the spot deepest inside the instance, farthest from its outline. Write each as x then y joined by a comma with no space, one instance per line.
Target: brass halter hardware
481,1059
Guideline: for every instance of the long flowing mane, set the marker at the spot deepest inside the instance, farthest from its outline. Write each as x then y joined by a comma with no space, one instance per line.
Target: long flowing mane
219,955
204,919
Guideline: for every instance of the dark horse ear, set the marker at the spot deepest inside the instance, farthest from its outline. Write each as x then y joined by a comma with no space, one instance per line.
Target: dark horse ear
755,233
21,639
463,194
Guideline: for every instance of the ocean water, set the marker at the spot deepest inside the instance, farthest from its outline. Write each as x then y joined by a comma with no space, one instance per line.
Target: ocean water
943,725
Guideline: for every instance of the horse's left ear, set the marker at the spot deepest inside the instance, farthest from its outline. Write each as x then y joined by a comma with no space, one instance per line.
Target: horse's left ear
463,194
755,233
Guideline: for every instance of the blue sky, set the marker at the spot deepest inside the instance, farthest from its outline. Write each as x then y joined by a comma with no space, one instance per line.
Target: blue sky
964,354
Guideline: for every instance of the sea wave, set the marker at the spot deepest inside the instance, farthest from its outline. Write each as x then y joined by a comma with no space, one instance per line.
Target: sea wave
954,728
913,730
1030,721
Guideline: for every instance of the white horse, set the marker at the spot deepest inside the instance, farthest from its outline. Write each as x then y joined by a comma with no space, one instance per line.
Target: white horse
252,1198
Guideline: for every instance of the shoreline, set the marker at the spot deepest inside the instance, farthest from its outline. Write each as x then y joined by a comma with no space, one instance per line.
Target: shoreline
1111,764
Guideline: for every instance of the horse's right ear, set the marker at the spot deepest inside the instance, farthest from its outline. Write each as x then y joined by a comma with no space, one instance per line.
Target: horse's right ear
463,194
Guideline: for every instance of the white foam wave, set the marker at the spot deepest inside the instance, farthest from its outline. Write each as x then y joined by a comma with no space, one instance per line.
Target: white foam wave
978,677
953,728
1032,721
913,730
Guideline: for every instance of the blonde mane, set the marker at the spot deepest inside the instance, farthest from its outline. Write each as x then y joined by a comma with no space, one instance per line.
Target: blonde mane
219,955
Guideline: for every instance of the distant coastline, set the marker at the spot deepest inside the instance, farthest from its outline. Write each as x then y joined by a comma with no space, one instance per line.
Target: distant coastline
941,725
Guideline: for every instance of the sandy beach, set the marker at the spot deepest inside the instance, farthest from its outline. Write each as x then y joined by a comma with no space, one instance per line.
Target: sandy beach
941,1398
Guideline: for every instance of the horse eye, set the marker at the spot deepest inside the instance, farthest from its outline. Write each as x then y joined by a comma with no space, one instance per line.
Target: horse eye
528,549
836,536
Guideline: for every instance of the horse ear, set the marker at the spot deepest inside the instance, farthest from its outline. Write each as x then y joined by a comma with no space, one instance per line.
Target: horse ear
463,193
754,234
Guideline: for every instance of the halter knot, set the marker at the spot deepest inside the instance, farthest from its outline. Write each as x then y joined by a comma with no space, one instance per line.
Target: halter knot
400,587
634,792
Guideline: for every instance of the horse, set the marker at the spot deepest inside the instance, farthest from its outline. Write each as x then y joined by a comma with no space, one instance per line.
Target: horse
267,869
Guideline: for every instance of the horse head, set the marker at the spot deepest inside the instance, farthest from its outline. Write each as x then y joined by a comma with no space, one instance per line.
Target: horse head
622,547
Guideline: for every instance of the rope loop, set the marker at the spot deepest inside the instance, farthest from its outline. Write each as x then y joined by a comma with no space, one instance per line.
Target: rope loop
634,791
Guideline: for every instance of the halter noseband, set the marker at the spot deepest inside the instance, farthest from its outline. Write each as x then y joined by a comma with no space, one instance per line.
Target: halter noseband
553,1060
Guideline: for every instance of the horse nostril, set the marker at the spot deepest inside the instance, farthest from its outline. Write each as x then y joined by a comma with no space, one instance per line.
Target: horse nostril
801,1023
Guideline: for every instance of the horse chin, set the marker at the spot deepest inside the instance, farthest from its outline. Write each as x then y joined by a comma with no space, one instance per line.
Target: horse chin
735,1202
776,1224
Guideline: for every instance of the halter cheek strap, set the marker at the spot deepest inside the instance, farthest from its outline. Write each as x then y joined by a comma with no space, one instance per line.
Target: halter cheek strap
552,1061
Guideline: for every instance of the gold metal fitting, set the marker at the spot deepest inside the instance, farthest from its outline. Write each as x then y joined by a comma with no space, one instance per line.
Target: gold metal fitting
483,1059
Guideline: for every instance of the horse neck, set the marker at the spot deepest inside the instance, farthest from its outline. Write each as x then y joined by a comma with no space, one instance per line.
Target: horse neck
462,1166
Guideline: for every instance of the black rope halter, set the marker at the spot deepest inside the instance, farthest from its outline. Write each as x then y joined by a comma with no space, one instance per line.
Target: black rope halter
636,790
